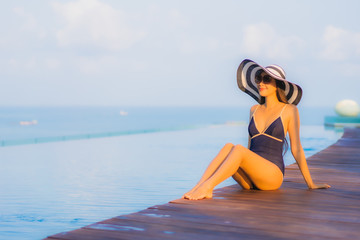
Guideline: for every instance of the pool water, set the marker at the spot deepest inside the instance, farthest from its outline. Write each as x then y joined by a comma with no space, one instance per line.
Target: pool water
62,185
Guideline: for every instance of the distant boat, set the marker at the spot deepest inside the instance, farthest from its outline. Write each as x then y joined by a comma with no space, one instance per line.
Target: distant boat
26,123
123,113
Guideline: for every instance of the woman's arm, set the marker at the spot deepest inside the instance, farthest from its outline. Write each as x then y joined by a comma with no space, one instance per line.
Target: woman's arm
296,148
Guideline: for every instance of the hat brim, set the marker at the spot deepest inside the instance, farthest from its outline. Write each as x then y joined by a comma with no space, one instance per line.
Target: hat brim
246,73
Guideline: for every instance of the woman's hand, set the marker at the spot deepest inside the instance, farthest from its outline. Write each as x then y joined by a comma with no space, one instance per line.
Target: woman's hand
319,186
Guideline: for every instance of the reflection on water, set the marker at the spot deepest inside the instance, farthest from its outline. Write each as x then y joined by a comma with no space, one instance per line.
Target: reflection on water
54,187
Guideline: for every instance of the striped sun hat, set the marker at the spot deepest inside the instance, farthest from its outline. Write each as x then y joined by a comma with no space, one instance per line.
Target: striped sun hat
247,71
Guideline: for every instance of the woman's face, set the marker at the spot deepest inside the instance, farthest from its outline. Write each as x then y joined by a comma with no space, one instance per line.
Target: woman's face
266,89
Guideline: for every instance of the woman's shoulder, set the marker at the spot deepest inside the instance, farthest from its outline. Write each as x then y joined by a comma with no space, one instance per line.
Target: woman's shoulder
291,110
254,107
291,107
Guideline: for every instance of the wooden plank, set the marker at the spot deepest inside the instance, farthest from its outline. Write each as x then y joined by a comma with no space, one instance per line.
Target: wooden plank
321,214
260,221
292,212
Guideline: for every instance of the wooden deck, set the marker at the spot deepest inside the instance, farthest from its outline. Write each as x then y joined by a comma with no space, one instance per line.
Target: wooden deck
293,212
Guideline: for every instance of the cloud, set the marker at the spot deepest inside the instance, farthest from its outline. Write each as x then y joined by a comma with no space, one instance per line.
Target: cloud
340,44
263,40
100,65
29,24
91,23
30,64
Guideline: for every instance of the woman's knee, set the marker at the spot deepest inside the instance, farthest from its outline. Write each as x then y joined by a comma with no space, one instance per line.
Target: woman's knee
228,145
237,152
239,147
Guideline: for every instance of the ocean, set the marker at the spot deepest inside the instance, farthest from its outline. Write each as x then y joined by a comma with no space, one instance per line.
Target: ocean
66,167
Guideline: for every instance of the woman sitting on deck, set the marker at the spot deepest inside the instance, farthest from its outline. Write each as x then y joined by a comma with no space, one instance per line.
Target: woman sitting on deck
261,166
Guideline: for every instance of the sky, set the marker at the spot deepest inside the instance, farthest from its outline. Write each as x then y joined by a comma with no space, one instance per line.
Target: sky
173,53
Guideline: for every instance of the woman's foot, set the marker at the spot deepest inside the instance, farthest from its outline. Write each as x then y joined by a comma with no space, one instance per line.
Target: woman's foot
200,192
185,196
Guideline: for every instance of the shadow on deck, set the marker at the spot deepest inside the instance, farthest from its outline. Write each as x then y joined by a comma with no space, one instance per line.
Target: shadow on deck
293,212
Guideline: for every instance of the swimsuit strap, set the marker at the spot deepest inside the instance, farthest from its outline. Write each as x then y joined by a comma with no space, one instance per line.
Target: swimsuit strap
259,106
283,109
255,110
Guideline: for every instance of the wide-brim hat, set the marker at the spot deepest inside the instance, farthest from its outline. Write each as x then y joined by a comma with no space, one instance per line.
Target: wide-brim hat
247,71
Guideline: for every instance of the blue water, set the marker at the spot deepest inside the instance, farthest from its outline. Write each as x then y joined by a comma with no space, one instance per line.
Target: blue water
80,165
64,123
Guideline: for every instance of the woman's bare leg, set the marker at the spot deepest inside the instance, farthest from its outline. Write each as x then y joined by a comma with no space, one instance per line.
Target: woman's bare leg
213,166
264,174
243,179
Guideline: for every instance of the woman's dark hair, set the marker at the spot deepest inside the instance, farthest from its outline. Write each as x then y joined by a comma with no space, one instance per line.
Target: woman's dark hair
280,92
285,146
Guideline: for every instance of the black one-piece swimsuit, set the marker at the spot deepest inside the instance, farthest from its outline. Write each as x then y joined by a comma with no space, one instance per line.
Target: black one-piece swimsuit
268,143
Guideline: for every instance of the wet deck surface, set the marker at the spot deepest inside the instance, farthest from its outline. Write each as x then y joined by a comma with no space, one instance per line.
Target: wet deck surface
293,212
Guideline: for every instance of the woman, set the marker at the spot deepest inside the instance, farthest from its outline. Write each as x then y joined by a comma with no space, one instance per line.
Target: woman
261,165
